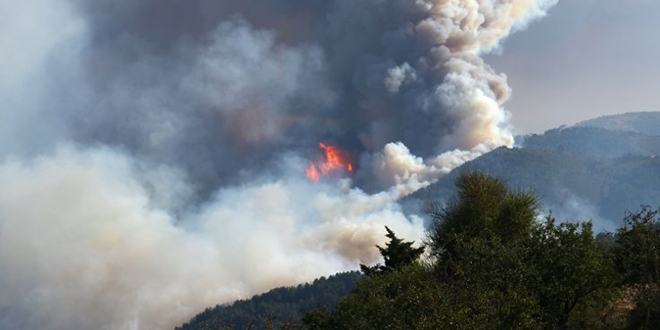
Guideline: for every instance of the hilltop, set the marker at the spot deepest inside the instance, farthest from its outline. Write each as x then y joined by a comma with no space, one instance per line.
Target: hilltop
598,169
640,122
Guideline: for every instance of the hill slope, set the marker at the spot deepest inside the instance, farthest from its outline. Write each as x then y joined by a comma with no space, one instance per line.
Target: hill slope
580,173
595,142
278,306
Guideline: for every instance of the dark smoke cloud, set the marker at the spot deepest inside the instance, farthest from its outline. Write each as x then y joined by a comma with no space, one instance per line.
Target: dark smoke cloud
231,84
152,152
214,108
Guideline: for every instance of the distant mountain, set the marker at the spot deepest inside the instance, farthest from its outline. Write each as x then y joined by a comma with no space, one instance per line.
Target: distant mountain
640,122
276,307
595,142
580,173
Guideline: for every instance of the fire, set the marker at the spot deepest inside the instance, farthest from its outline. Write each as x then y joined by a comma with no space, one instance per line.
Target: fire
312,173
333,160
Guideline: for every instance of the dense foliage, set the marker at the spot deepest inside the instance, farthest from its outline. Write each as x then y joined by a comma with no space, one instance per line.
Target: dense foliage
494,265
396,254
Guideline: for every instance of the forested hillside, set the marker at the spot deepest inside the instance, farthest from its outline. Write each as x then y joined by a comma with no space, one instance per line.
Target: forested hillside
277,307
579,173
640,122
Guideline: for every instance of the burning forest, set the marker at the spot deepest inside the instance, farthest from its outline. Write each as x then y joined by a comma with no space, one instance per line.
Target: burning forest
333,162
156,155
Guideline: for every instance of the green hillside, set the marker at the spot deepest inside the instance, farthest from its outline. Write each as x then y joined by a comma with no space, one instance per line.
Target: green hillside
277,307
494,265
599,189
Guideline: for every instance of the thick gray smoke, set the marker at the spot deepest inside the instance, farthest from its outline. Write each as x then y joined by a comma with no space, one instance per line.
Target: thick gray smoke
152,153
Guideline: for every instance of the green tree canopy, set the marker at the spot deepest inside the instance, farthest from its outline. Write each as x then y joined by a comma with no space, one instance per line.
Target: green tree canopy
483,206
571,271
484,209
517,271
494,264
638,247
396,254
637,256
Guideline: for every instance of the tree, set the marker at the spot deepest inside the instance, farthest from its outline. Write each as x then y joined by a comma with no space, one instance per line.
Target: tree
638,247
494,266
400,297
637,255
571,270
404,299
485,207
396,254
479,241
517,272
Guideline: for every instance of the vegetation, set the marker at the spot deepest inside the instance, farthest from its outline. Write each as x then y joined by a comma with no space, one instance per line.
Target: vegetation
495,266
396,254
277,308
637,256
495,263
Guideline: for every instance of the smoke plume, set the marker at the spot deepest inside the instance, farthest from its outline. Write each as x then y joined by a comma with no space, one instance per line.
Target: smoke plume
152,154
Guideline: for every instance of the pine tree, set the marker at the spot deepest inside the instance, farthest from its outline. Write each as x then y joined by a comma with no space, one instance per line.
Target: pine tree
396,254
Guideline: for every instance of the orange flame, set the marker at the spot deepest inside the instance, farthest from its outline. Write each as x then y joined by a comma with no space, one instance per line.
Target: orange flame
312,172
334,159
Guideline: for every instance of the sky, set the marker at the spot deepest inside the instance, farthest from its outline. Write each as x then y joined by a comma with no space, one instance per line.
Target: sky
586,59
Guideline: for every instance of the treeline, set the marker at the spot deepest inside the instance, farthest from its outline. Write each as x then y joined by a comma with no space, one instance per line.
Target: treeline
277,307
494,265
494,262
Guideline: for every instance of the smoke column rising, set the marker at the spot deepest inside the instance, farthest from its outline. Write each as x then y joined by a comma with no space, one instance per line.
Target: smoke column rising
152,154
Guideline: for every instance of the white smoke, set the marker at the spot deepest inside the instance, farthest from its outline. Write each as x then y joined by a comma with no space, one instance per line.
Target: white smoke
83,244
147,173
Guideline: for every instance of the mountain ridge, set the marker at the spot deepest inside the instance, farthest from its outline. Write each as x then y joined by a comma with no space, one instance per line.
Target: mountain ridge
582,172
640,122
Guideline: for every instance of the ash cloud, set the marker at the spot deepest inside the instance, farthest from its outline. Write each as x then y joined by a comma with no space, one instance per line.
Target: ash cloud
152,153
